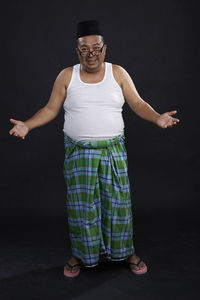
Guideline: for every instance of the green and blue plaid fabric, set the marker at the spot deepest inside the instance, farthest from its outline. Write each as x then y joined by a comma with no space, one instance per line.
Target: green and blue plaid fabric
98,199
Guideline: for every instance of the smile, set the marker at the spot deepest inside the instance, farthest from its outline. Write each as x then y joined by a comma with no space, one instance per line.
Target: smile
91,61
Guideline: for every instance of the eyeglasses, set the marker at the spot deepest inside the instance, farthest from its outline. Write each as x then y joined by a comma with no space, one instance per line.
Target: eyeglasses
97,51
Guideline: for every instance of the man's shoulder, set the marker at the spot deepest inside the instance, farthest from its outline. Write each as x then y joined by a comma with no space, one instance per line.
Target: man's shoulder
121,72
66,75
67,70
118,72
117,68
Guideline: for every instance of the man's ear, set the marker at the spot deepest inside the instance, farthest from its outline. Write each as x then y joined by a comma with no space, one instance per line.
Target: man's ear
77,51
104,48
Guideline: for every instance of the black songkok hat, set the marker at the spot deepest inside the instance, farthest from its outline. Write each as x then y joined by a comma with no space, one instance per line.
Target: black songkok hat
90,27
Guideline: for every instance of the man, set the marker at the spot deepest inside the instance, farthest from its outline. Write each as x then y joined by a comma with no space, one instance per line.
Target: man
95,167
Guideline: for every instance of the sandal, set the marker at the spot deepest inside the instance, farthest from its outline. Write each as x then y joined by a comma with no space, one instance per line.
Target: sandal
140,271
71,274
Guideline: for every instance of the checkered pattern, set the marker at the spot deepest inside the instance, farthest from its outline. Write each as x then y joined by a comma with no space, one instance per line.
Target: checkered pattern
98,199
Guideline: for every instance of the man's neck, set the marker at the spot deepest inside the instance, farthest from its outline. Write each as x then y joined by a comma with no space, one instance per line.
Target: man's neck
92,71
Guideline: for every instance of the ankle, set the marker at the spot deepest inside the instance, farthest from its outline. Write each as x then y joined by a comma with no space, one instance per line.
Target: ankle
74,259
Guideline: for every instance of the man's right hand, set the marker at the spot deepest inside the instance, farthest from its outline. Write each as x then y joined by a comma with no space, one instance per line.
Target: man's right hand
49,111
20,129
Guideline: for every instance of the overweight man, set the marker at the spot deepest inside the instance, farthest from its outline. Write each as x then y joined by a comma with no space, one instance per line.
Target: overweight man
95,169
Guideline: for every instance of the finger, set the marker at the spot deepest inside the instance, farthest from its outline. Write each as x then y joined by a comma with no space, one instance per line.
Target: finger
174,122
17,133
169,126
177,120
12,131
14,121
173,112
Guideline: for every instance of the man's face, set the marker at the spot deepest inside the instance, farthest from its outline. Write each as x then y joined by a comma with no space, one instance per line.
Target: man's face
89,60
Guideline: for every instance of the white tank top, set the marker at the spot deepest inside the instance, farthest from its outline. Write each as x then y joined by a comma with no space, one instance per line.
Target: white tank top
93,111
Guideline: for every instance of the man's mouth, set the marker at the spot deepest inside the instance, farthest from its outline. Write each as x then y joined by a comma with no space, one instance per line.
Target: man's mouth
91,61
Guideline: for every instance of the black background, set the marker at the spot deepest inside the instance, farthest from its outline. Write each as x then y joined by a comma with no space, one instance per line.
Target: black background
156,42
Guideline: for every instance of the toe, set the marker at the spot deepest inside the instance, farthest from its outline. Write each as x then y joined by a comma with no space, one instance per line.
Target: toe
142,265
67,268
135,259
73,270
72,262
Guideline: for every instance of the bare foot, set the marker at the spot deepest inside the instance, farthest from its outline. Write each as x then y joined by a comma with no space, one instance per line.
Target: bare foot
135,259
73,261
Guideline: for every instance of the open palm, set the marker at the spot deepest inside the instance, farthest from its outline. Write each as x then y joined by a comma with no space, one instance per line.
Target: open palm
166,120
20,129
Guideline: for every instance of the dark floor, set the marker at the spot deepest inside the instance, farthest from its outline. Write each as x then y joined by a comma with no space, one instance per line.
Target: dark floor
32,260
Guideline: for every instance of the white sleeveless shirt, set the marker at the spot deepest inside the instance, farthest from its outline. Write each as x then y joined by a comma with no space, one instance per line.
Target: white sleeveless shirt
93,111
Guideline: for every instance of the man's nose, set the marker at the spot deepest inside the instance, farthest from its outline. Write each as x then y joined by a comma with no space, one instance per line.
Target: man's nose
90,53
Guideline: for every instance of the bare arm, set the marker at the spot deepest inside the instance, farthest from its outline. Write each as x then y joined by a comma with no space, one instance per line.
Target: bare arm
138,105
49,111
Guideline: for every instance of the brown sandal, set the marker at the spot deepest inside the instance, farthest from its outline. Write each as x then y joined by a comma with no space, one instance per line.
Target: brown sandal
140,271
72,274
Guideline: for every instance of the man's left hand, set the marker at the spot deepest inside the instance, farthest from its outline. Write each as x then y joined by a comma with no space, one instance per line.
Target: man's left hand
166,120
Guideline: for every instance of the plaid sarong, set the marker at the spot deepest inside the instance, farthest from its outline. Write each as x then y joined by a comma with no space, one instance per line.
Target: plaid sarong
98,199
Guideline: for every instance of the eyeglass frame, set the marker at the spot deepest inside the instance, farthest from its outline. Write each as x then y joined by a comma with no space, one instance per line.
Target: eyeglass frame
88,52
